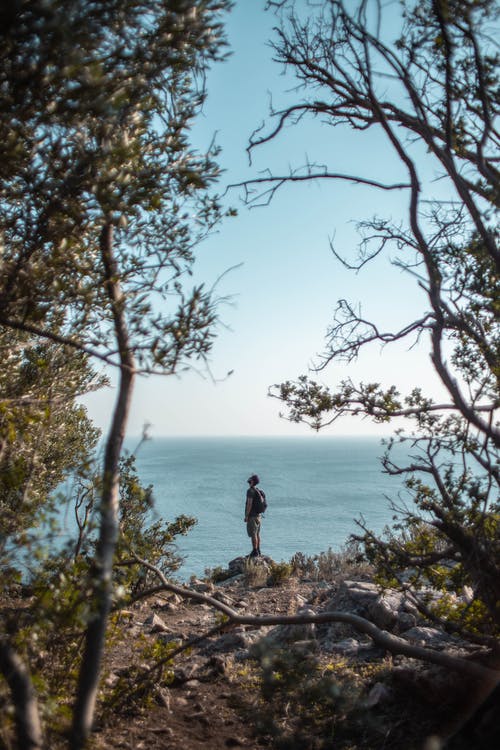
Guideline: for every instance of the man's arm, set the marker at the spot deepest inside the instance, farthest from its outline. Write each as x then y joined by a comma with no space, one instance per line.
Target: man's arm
248,505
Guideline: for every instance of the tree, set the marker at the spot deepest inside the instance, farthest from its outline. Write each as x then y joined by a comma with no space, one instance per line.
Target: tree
44,436
102,201
431,90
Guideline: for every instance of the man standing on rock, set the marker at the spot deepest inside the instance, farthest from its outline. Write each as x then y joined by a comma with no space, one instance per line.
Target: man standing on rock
255,505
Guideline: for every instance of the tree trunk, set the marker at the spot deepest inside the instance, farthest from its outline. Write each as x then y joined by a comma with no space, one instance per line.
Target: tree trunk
29,731
103,564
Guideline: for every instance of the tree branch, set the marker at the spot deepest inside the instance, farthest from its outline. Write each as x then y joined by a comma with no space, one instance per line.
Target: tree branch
29,731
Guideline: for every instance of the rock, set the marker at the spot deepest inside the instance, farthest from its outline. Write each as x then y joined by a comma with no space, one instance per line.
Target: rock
230,642
202,587
240,564
390,608
405,622
378,694
231,580
468,594
224,599
186,673
426,636
288,633
162,697
347,647
156,624
218,664
237,566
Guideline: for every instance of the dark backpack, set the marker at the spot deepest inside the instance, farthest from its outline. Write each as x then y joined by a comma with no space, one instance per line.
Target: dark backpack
259,501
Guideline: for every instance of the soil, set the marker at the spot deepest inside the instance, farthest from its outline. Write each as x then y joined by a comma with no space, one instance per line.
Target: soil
200,709
201,704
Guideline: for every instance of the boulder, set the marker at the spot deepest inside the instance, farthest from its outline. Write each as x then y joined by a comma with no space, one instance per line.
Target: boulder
431,637
392,610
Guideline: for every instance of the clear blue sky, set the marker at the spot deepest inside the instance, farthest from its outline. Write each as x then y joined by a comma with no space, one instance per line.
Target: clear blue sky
286,288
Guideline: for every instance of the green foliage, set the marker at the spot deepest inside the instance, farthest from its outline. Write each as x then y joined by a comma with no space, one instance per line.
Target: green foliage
141,535
217,574
49,619
138,684
329,565
305,705
97,103
45,436
279,573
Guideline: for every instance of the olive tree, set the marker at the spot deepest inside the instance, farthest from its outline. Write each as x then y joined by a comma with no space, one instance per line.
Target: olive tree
102,201
425,77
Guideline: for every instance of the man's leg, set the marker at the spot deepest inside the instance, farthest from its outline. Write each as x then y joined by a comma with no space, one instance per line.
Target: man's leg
255,545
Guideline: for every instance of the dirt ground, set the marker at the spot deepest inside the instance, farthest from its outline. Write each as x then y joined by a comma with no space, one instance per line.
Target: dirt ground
198,709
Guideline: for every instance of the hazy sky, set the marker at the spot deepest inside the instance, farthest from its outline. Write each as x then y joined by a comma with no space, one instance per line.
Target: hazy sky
286,282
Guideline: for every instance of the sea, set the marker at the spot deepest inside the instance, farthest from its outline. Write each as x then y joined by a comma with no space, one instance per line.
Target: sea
316,491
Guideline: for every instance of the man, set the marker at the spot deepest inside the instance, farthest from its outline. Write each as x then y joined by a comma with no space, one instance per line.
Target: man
254,507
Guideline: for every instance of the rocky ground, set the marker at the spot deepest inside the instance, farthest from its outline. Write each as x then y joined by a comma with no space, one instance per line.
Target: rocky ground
209,696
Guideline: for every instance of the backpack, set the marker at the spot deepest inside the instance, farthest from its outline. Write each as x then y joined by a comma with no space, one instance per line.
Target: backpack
259,501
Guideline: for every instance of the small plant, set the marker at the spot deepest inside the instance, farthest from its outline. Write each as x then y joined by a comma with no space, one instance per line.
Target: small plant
217,574
330,565
303,705
279,573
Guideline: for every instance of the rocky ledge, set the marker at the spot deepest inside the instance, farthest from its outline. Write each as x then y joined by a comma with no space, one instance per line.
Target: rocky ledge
198,705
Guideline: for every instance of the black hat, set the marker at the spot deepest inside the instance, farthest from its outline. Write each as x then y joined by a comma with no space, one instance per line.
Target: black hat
254,478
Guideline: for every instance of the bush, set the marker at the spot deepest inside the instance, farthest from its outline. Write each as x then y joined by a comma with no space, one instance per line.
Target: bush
328,566
279,573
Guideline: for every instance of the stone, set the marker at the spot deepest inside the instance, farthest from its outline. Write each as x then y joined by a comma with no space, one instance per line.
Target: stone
202,587
378,694
347,647
230,642
288,633
162,697
156,624
219,664
427,636
224,599
230,581
384,611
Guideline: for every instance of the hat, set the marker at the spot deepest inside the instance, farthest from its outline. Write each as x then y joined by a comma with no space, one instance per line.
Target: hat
254,478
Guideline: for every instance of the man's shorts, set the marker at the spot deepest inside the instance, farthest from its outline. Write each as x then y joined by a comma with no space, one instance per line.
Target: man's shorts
253,525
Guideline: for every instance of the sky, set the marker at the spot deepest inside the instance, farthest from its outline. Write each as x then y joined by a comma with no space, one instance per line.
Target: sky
275,265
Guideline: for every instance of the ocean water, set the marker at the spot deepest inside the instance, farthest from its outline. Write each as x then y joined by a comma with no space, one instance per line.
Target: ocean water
315,488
